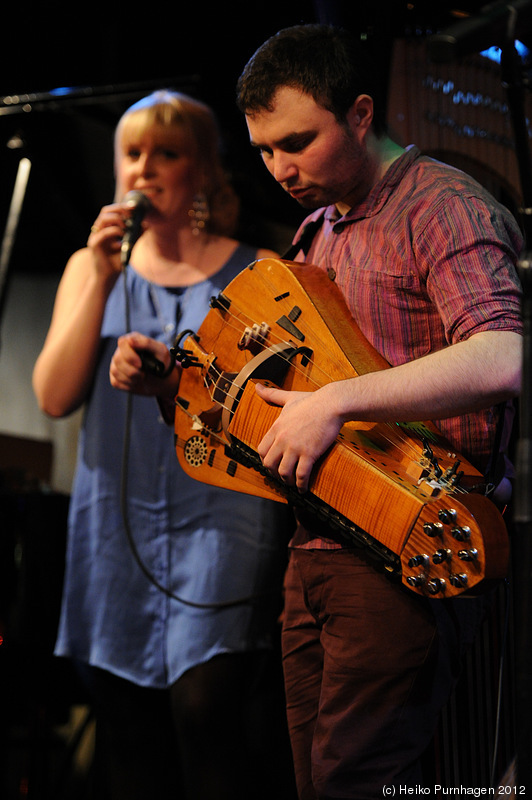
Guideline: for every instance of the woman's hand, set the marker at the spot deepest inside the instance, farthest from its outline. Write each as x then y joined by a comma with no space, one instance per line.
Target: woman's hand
106,236
129,373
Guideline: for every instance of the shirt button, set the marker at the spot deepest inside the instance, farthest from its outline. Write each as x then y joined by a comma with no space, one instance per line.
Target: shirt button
331,273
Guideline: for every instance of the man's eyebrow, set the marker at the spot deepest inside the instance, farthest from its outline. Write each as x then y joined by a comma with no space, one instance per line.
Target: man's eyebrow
287,140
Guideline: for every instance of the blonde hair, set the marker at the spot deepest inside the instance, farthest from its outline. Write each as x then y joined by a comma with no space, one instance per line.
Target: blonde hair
166,112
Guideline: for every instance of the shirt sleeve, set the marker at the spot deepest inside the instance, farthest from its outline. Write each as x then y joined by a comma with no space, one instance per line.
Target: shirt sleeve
468,254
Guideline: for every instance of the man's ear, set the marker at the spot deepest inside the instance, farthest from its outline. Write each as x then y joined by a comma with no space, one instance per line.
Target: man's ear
360,115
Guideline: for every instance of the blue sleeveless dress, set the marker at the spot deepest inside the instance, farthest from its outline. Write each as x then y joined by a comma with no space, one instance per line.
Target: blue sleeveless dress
204,544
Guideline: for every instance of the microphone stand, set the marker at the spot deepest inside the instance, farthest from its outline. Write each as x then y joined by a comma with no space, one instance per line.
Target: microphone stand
88,95
54,101
515,80
499,24
8,239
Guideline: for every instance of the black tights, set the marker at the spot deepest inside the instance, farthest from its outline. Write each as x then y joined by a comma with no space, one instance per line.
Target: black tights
218,733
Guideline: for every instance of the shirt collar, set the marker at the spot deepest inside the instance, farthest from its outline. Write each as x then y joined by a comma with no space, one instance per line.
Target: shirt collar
380,193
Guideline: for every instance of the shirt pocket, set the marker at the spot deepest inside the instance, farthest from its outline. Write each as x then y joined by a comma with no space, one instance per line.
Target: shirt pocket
396,314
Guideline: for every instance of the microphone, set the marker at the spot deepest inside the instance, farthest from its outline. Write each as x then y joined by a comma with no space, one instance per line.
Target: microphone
490,27
140,205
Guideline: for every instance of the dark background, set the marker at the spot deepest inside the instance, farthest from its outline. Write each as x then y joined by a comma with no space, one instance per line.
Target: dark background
117,53
107,55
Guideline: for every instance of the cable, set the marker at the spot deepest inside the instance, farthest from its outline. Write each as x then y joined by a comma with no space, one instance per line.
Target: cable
502,659
124,505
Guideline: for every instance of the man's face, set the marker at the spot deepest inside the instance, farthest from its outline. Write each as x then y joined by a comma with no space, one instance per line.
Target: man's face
317,160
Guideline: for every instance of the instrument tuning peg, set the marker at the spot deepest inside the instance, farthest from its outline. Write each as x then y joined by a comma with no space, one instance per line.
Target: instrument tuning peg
459,580
468,555
462,534
421,560
436,585
441,555
447,515
433,529
417,581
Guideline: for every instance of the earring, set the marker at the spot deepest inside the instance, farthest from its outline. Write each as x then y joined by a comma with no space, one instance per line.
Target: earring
199,214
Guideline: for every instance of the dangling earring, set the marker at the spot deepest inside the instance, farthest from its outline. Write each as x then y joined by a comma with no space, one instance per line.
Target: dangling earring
199,214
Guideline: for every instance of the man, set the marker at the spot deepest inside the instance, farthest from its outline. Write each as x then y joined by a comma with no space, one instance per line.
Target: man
425,258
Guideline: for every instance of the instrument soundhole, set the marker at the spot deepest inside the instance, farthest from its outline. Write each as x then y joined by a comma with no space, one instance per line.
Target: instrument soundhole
195,451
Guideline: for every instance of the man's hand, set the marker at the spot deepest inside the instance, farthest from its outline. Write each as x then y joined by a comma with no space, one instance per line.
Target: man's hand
305,428
477,373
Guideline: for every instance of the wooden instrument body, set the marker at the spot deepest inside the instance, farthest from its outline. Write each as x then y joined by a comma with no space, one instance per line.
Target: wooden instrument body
390,487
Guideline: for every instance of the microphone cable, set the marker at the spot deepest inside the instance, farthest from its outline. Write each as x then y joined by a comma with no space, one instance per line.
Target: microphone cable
124,474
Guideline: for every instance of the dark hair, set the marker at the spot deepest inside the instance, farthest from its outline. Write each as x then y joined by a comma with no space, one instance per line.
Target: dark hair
325,62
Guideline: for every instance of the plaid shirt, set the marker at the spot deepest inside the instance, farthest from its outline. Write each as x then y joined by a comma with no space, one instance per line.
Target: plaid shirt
425,260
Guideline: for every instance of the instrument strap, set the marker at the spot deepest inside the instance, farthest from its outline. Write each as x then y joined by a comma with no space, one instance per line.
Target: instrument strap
305,240
497,465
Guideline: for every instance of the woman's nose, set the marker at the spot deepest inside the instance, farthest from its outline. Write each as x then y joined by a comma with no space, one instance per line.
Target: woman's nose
145,164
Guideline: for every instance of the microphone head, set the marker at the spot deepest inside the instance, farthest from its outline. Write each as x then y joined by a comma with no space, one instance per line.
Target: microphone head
140,205
136,199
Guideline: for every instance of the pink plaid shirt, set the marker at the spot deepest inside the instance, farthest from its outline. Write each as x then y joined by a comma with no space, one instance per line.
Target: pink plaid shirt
426,260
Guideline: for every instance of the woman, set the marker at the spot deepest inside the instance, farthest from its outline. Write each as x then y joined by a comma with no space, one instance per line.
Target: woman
171,668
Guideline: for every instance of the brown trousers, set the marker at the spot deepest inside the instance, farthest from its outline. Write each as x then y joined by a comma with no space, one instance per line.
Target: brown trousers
368,666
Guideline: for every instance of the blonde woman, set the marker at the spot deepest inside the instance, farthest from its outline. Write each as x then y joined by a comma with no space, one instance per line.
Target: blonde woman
172,682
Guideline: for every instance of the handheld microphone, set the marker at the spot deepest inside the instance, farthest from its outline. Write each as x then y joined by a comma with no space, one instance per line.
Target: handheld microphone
140,205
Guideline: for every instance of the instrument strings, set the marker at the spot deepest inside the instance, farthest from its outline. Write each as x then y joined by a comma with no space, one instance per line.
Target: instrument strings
388,430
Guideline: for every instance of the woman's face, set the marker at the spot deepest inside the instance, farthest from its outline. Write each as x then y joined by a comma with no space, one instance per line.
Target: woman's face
158,163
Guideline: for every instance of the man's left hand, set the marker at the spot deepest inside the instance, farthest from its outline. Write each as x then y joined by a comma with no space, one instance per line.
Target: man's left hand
304,430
